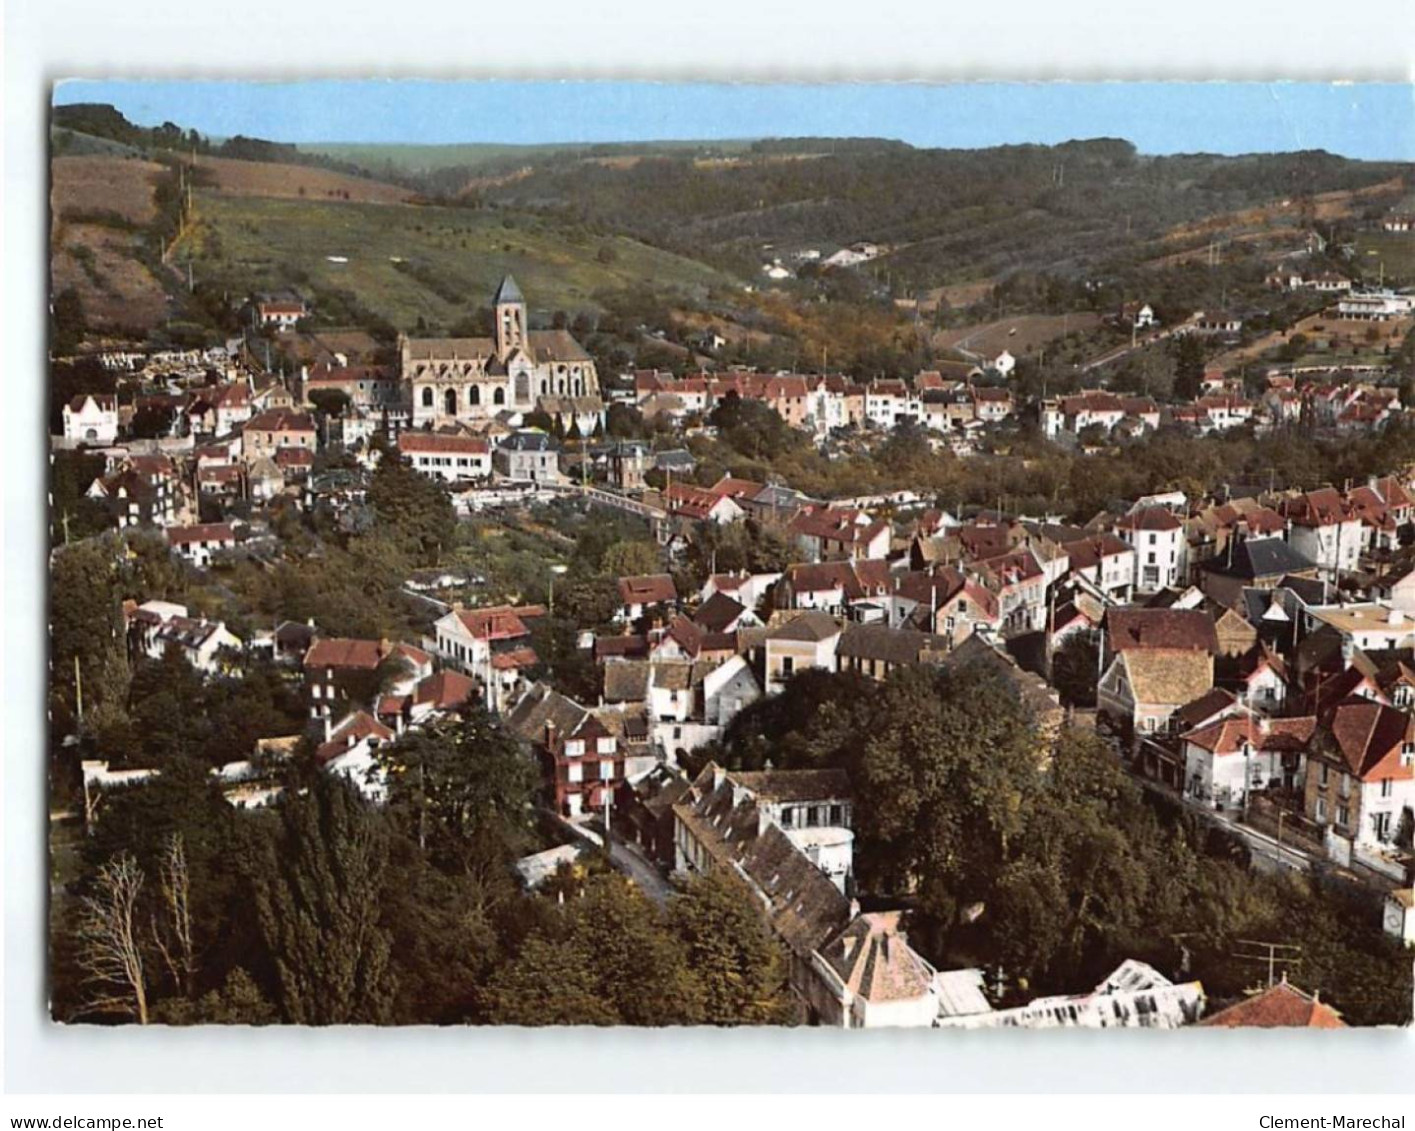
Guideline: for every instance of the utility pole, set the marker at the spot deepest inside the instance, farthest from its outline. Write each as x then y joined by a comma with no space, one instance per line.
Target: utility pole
78,689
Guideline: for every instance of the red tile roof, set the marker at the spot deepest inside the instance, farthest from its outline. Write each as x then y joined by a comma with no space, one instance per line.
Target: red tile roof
343,652
514,659
431,442
1227,736
1283,1006
1171,629
1149,518
651,589
1370,737
499,623
206,532
445,690
350,732
280,420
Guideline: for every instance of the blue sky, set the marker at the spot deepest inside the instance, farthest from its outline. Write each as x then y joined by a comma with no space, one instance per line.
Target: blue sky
1374,121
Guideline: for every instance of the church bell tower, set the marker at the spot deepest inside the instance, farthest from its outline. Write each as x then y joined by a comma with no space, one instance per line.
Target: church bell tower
510,307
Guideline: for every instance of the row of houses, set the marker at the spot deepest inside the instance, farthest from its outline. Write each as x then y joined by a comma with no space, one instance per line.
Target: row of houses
821,403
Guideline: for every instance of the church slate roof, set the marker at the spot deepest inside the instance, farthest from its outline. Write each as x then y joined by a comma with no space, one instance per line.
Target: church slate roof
508,291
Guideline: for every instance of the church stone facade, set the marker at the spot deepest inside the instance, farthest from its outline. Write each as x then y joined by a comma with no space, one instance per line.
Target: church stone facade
464,380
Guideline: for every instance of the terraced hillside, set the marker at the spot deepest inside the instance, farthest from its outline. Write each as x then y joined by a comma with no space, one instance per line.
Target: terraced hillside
409,262
101,207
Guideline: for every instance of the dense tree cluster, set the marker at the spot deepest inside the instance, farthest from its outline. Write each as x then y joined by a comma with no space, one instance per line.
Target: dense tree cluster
1053,866
325,910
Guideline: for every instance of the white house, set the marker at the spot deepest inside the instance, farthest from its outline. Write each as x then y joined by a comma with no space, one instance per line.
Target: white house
91,419
491,644
1244,754
157,627
351,748
198,544
1161,550
451,458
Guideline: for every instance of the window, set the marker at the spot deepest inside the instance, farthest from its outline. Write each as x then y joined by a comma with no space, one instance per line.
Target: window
1387,785
499,396
1321,810
474,395
1325,775
837,814
788,817
1382,823
450,400
575,772
1343,816
605,746
788,665
427,398
575,747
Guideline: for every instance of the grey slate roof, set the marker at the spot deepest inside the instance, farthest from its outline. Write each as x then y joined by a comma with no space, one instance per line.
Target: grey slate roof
508,291
1260,557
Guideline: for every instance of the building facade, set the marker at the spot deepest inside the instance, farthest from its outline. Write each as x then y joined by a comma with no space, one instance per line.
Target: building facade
458,380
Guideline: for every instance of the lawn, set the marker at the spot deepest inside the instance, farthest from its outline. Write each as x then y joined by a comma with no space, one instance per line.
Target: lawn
447,254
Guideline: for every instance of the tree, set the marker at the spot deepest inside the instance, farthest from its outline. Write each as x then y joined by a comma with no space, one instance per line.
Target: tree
462,789
735,958
238,1001
84,613
606,958
1188,353
1075,668
942,774
152,421
67,322
110,953
317,882
631,559
330,402
414,508
173,936
73,515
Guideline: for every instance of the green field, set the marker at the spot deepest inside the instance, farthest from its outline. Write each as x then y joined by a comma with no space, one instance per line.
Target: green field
1394,249
456,256
418,159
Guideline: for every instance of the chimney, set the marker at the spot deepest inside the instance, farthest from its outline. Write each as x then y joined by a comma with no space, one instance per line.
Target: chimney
549,735
718,775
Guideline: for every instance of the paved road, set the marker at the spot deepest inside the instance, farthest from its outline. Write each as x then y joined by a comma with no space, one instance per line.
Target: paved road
1120,351
628,858
632,862
1268,854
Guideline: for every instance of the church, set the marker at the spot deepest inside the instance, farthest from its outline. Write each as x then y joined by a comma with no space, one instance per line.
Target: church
469,380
